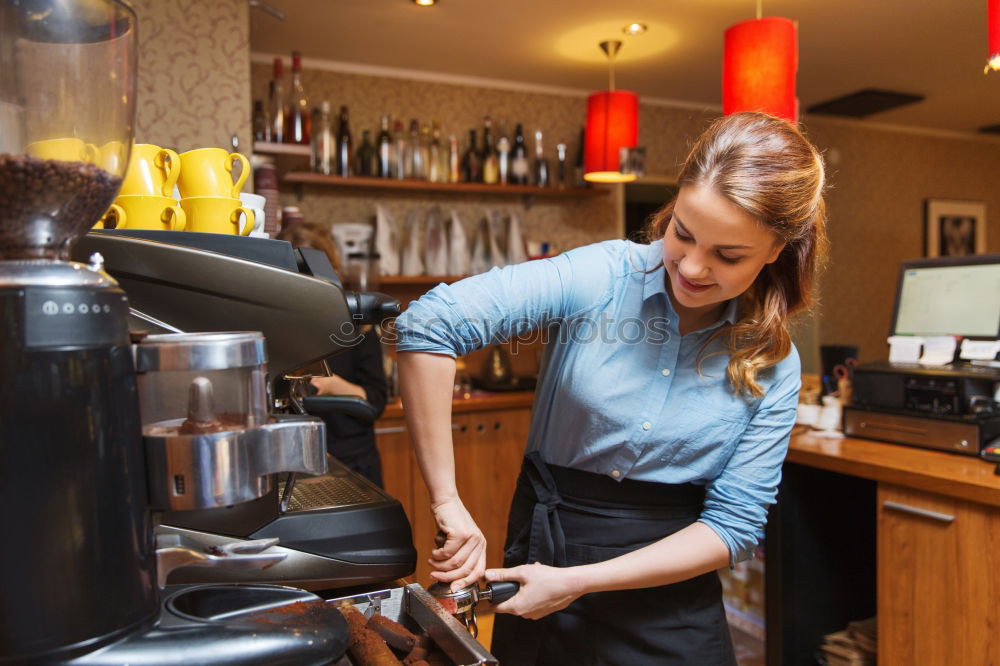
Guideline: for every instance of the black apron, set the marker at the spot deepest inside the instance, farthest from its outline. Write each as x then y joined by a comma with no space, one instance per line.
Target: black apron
565,517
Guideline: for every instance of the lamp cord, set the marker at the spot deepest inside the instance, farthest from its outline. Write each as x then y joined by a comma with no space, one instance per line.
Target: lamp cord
759,11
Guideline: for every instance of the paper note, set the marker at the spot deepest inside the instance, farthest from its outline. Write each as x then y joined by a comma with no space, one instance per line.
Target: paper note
904,348
939,350
979,350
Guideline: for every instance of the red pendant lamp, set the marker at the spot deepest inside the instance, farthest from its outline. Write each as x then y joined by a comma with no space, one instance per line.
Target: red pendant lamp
993,29
612,124
758,68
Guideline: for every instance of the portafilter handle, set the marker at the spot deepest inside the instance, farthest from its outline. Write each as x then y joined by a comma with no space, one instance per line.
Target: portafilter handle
462,603
371,307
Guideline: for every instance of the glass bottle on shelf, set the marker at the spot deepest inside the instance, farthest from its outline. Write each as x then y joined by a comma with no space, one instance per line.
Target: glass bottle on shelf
424,164
519,167
324,143
472,165
398,151
344,144
560,177
298,105
503,156
434,172
541,170
578,180
414,162
454,161
366,155
260,129
491,174
383,146
279,113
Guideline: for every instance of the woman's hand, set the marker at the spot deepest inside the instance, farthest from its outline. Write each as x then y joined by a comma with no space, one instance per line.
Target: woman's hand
460,559
543,590
337,385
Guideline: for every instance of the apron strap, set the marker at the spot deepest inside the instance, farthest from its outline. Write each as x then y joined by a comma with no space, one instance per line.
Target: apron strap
547,543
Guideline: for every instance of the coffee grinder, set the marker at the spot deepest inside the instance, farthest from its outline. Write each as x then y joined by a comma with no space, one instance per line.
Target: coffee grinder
80,573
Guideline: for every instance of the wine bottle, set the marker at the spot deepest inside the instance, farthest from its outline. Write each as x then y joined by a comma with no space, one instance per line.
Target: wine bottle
472,165
398,151
491,167
279,113
298,105
344,144
541,164
454,161
560,179
414,160
503,156
324,143
434,172
519,166
366,156
383,165
578,180
261,132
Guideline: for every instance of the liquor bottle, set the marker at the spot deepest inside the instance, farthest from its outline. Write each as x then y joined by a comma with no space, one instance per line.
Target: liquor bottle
491,166
344,144
298,105
503,156
435,173
578,180
519,166
398,151
279,125
324,143
560,179
383,146
423,163
414,161
472,165
454,161
541,164
366,156
260,129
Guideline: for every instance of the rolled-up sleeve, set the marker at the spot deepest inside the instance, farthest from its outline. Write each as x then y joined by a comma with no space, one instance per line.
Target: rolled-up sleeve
736,501
504,303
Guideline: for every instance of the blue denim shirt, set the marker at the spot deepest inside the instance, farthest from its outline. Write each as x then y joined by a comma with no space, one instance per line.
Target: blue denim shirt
620,392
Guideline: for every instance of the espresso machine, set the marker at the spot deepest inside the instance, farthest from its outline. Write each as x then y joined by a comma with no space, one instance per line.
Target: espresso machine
84,469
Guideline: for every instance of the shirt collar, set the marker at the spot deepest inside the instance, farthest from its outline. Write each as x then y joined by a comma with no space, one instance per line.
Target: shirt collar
655,282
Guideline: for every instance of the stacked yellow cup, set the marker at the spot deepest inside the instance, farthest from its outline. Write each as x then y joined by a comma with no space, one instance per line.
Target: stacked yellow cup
209,196
145,200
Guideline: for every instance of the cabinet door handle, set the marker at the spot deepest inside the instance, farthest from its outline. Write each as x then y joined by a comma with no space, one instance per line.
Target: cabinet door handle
917,511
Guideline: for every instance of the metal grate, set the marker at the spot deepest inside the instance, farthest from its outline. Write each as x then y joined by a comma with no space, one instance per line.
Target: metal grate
328,492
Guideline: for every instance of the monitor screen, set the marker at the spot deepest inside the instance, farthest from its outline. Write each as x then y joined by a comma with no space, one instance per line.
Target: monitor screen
949,296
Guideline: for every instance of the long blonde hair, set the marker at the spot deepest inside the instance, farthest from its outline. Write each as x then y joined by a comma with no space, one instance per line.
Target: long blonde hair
769,169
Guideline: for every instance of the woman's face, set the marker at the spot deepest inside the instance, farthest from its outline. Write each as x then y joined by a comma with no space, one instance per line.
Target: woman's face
713,252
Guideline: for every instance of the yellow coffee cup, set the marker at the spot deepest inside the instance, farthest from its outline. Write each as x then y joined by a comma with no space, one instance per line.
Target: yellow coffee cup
217,215
112,157
68,149
154,213
152,171
208,172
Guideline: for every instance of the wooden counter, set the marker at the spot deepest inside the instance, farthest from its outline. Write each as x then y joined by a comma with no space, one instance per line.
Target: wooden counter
478,401
908,533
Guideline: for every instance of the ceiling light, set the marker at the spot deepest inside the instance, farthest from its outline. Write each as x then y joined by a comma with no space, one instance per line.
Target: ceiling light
993,28
612,128
634,29
758,68
424,3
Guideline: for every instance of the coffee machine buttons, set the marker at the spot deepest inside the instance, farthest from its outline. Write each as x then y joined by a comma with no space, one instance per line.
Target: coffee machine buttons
58,317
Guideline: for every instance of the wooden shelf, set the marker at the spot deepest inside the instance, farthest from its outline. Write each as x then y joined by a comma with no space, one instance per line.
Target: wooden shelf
406,280
269,148
310,178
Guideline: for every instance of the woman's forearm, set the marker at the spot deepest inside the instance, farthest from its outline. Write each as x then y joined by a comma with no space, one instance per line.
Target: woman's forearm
426,383
690,552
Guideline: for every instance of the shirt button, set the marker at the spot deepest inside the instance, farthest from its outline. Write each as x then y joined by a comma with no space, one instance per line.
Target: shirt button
665,372
647,425
615,473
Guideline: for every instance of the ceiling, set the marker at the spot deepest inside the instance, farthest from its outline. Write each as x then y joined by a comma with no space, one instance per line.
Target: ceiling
934,48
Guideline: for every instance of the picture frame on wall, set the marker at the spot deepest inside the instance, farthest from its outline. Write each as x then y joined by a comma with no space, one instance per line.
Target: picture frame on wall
954,228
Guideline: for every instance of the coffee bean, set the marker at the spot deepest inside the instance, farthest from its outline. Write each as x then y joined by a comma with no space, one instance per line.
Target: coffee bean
46,204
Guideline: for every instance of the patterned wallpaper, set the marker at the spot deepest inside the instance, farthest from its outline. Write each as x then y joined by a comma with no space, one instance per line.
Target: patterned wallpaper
194,73
879,179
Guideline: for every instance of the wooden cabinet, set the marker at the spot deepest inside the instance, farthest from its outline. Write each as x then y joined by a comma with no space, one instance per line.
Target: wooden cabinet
938,581
489,446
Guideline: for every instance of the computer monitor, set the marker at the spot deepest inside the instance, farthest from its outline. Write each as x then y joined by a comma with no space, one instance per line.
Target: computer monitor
949,296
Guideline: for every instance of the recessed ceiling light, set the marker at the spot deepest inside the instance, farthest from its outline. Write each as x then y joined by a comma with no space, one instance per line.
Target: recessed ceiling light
634,29
424,3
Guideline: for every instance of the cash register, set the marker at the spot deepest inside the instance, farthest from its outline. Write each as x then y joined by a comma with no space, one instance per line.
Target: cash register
952,405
